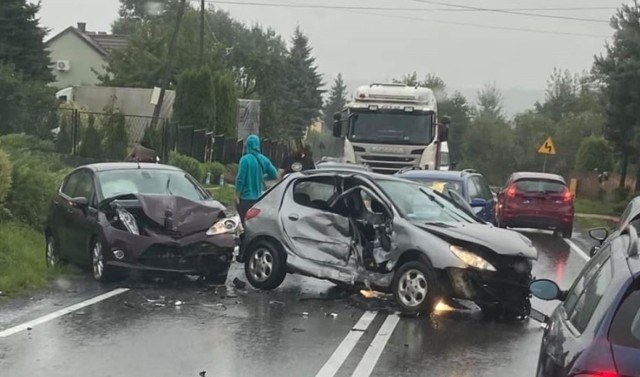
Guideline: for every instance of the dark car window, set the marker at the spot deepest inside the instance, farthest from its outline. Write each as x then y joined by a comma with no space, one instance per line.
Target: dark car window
84,188
69,186
625,328
591,268
152,181
591,296
540,185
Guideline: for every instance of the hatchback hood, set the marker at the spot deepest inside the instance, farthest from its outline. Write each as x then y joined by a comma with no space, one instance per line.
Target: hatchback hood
178,214
501,241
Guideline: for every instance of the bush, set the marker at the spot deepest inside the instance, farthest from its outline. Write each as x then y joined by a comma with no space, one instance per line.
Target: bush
31,192
621,194
594,153
91,144
5,176
64,140
116,139
232,168
188,164
18,142
215,168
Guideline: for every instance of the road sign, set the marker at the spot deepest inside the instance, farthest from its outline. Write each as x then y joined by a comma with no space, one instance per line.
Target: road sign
547,147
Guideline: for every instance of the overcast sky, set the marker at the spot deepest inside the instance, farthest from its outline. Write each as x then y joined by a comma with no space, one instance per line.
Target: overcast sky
369,47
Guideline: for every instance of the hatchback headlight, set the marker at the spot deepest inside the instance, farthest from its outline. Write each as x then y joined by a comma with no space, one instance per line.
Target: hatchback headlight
129,222
225,226
471,259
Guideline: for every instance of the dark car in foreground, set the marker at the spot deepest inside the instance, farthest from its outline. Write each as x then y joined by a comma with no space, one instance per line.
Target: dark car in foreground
536,200
366,230
595,331
153,218
470,184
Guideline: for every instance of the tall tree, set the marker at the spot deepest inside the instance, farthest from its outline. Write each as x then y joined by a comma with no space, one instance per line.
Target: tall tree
490,102
22,40
304,86
134,12
195,100
226,104
458,109
336,101
618,71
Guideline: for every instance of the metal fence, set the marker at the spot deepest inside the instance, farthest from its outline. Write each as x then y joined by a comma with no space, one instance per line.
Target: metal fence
108,136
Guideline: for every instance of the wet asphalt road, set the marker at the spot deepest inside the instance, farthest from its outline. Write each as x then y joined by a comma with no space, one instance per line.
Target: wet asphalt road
180,328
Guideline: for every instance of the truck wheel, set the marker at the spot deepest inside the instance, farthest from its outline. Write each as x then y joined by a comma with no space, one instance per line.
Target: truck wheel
415,287
265,266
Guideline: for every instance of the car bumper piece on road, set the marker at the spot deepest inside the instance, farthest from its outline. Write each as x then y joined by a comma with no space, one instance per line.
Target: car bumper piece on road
487,287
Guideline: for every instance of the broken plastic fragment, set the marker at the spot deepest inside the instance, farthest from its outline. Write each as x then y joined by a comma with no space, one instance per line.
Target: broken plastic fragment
179,303
239,283
305,314
332,315
276,303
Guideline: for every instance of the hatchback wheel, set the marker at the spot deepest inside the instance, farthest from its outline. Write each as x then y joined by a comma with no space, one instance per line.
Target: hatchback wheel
102,272
567,232
265,266
52,253
415,287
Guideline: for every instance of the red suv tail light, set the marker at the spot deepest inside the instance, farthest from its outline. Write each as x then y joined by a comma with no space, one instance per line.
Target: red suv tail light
568,196
598,374
251,213
512,191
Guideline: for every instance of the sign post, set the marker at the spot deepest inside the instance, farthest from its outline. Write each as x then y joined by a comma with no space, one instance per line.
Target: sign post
546,149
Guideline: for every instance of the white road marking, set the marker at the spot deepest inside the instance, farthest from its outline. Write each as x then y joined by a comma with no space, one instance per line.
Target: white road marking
60,313
577,249
370,358
330,368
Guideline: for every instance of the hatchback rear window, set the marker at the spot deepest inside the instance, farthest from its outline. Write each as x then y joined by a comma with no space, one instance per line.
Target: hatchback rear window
540,185
625,329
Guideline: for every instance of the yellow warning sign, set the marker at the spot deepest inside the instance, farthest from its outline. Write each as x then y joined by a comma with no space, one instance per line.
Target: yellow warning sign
547,147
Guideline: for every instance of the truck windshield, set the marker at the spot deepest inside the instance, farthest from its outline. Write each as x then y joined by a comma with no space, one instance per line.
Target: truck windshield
391,128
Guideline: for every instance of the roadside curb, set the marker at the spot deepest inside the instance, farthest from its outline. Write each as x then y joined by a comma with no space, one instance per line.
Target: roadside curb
599,217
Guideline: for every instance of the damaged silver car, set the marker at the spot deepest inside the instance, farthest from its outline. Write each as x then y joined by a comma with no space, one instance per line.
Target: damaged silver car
118,217
365,230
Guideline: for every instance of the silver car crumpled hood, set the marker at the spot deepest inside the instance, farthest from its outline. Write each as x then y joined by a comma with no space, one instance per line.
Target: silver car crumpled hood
501,241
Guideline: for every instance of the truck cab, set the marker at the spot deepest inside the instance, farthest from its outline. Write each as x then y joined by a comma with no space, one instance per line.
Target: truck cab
392,126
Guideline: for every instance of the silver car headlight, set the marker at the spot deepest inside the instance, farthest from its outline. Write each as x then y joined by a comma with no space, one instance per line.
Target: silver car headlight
229,225
471,259
129,222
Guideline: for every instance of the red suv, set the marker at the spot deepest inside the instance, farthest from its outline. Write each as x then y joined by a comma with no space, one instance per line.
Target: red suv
536,200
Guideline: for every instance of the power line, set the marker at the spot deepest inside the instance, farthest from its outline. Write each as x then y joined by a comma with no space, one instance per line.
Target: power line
404,17
395,9
510,12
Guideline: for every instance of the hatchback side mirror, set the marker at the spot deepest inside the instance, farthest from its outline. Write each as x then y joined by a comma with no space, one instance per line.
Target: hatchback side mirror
80,202
478,202
546,289
599,234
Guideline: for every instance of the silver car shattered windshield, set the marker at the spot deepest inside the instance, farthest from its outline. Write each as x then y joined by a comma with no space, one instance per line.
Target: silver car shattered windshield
417,203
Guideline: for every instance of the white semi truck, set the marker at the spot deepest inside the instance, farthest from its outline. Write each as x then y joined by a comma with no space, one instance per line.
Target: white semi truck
390,127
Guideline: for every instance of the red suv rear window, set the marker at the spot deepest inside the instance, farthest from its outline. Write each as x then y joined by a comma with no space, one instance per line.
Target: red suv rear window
540,185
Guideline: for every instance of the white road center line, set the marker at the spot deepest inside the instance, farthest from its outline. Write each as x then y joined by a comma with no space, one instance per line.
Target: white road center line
577,249
330,368
370,358
60,313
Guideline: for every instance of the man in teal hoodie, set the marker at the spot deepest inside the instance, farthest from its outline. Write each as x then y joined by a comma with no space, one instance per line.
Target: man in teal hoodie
252,168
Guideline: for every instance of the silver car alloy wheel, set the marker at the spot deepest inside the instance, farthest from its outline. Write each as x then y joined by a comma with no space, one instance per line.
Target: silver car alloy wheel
261,264
52,257
412,288
98,261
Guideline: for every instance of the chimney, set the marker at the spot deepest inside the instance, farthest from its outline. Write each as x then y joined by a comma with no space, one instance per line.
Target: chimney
82,26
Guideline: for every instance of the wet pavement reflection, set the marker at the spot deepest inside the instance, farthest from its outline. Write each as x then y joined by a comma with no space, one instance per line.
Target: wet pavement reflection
182,328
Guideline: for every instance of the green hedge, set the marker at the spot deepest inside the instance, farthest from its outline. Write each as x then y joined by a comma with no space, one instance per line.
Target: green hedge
188,164
215,168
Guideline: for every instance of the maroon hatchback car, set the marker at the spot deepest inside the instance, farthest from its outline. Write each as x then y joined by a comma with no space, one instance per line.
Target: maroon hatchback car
536,200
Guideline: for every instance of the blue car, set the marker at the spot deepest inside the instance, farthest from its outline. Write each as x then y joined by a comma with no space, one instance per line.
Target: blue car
595,331
471,185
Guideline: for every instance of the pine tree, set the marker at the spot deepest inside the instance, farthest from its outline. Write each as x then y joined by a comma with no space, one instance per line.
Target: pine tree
91,144
22,40
64,142
226,104
336,101
303,84
195,100
116,139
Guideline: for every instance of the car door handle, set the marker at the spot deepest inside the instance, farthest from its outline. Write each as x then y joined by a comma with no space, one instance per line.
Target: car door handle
294,217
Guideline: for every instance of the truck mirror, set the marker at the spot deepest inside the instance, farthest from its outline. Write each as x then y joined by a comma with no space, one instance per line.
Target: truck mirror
446,120
337,128
444,132
337,116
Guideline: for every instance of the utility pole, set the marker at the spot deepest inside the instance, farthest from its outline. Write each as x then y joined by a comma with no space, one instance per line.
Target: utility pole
171,53
202,14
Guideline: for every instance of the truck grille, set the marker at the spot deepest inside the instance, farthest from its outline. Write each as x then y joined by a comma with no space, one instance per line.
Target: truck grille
387,164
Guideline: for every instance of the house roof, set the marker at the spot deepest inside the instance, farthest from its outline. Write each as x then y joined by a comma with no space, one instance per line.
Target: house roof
102,43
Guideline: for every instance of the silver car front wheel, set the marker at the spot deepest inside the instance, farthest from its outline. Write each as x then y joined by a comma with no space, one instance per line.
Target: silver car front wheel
415,287
265,265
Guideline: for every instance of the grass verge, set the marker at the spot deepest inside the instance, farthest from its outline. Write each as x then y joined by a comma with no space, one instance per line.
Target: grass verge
22,259
590,223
